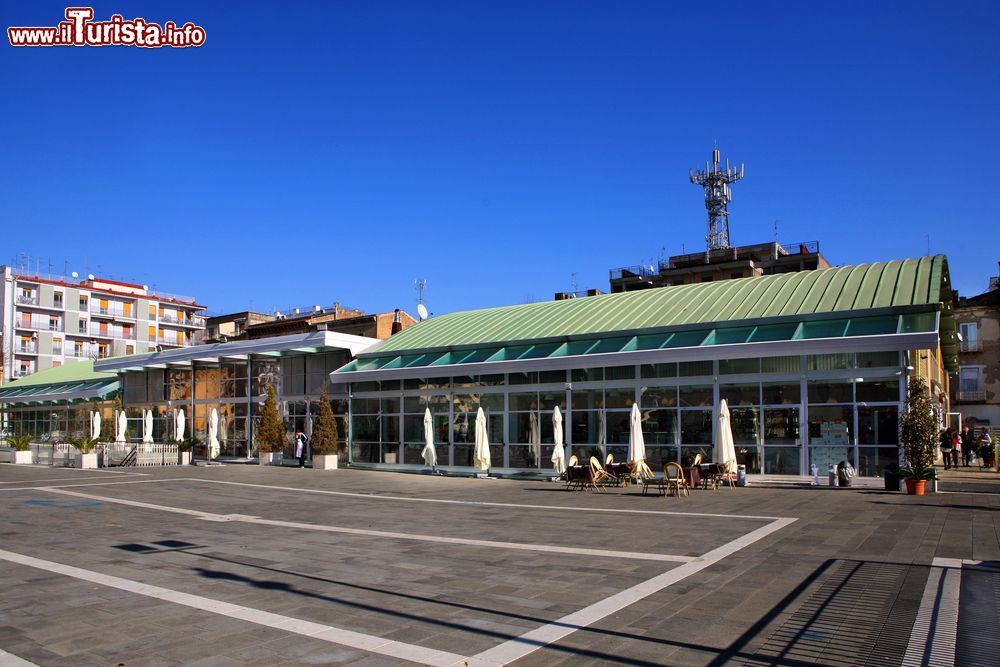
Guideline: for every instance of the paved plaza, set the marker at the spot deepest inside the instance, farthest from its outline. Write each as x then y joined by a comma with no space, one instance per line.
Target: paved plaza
240,564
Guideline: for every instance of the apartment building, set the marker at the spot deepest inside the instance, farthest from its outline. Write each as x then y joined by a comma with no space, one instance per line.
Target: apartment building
976,395
50,320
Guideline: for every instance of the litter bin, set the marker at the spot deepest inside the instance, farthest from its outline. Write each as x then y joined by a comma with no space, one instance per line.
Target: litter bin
845,471
891,476
741,475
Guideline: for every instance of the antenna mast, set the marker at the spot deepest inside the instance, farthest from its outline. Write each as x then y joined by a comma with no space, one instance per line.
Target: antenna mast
715,181
420,285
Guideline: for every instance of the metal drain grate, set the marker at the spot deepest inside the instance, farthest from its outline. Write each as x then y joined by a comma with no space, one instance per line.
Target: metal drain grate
978,635
860,615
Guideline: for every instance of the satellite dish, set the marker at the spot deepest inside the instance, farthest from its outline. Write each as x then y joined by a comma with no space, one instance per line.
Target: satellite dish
90,276
75,274
422,311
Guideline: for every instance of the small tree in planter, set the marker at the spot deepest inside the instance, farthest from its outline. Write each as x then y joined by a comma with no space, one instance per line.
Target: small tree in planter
324,436
918,435
270,436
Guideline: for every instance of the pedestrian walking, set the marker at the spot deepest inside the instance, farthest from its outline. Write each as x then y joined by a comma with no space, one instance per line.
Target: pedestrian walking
956,451
946,447
300,448
967,445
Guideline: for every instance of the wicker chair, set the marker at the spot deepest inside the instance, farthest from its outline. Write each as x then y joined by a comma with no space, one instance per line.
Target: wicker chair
675,480
600,476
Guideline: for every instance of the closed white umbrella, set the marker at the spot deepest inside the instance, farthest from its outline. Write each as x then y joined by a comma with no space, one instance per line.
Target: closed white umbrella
429,454
481,457
558,453
179,425
95,426
636,443
724,451
213,434
534,438
121,434
147,426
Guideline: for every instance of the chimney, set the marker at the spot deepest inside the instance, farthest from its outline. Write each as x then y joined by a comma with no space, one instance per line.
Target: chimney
397,324
561,296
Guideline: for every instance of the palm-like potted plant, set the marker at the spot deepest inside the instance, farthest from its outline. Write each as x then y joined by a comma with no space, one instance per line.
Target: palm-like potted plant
270,437
87,458
324,436
918,434
20,449
184,448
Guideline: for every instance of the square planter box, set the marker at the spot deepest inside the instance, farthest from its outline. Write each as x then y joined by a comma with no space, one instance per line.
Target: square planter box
86,461
14,456
324,461
184,458
268,459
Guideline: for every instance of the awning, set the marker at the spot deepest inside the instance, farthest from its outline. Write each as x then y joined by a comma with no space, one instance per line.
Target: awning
59,393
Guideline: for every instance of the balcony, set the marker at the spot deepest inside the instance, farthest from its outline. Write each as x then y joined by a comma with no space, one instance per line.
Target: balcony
26,349
85,352
970,345
978,396
111,332
28,300
172,341
193,321
117,313
23,371
39,324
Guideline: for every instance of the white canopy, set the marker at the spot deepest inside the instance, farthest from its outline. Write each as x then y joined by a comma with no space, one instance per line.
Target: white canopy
95,425
534,438
558,453
213,433
429,455
122,433
636,443
147,426
724,451
179,425
481,457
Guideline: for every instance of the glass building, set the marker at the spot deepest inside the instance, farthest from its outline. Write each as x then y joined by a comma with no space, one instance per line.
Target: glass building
813,365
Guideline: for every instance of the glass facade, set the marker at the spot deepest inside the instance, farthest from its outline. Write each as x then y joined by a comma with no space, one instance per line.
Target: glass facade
787,413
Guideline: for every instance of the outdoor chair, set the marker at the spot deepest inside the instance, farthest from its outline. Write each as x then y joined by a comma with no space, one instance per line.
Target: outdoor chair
610,459
600,476
675,480
658,483
573,461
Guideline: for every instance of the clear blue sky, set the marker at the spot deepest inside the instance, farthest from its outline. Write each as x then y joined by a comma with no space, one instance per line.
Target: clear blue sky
321,151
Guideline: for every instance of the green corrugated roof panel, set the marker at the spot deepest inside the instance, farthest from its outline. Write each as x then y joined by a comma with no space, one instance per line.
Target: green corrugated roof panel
840,290
74,371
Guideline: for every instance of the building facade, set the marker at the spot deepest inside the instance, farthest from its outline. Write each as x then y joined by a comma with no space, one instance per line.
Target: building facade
250,325
749,261
813,365
52,320
976,392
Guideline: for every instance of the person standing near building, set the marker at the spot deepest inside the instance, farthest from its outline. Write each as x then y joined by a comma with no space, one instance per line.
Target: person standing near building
967,445
300,448
946,447
956,448
986,453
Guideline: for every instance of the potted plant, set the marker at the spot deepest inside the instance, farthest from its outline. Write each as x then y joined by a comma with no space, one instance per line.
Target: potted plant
184,448
20,452
918,435
87,458
324,436
270,437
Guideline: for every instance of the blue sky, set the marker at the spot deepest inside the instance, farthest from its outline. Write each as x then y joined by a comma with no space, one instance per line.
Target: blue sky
313,152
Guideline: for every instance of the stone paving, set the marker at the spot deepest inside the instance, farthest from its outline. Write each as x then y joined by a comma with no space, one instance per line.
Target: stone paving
247,565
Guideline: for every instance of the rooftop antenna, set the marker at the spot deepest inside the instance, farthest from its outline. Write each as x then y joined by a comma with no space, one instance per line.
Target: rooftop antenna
572,283
928,237
776,221
420,285
716,181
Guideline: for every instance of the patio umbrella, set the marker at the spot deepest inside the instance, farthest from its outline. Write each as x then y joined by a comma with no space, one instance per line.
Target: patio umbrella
95,426
602,437
724,451
429,455
213,434
481,457
147,426
224,428
558,453
534,438
122,431
179,425
636,443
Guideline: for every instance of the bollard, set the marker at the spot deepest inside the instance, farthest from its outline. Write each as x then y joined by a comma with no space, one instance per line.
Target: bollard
833,475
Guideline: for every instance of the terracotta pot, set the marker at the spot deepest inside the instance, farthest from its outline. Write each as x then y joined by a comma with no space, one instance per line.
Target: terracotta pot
915,487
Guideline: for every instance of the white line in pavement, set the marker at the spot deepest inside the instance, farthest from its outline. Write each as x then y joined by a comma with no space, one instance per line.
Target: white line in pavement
932,640
11,660
518,546
529,642
370,643
73,486
476,503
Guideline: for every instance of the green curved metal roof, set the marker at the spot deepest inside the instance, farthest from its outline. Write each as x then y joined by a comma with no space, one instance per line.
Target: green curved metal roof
895,285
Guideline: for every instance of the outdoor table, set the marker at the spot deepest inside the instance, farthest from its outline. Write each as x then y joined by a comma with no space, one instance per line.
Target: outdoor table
693,477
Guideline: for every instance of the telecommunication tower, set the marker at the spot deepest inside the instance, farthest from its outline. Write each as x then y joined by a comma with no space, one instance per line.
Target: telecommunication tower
716,182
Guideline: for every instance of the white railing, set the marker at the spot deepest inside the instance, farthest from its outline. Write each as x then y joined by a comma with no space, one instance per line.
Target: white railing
974,345
972,395
146,455
110,332
28,300
40,323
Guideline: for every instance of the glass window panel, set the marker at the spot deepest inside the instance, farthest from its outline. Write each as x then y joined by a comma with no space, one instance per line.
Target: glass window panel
363,406
618,427
781,426
609,345
481,354
366,386
522,378
492,380
539,351
730,336
464,381
365,428
492,402
694,368
878,425
917,322
521,426
550,399
745,423
466,402
877,359
619,373
686,339
390,428
619,398
696,427
696,395
780,364
688,455
657,457
740,394
824,329
587,399
774,332
658,397
831,391
651,341
575,347
736,366
777,393
872,326
390,405
659,427
873,391
586,426
659,370
549,377
781,461
830,425
528,401
872,461
830,362
587,374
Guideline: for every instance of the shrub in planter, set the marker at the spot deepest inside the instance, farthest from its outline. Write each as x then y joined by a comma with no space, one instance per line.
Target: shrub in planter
86,458
21,443
270,436
324,436
918,435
